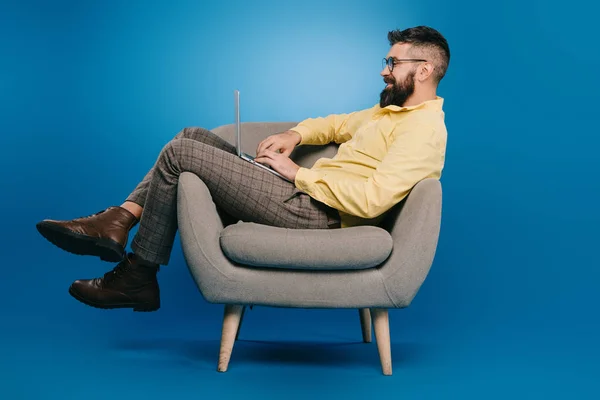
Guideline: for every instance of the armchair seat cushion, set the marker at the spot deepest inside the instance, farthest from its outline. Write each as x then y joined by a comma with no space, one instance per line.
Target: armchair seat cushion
264,246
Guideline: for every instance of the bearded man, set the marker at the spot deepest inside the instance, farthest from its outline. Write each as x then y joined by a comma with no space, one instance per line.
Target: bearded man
384,151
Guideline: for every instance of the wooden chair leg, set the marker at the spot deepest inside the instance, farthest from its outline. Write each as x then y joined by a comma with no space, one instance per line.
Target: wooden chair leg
240,324
381,324
365,324
231,323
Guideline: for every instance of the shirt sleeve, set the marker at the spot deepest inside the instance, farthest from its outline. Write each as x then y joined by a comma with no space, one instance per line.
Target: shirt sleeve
324,130
413,156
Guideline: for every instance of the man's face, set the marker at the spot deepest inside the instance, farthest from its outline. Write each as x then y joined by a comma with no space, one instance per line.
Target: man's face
401,81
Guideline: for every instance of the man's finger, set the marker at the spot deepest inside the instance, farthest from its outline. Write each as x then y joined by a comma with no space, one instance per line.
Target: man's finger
262,153
263,160
270,153
260,146
264,144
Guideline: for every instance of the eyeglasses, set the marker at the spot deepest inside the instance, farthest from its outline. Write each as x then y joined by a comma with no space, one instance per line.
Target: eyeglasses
391,62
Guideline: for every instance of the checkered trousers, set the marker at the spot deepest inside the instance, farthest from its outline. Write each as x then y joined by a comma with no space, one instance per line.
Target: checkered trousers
240,190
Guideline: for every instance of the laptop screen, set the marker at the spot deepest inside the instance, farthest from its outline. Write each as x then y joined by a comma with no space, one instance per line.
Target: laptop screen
238,127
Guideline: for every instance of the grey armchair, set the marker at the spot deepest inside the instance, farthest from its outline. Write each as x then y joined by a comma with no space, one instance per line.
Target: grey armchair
405,245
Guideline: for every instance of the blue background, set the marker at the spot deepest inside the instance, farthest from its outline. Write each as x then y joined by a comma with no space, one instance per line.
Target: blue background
91,91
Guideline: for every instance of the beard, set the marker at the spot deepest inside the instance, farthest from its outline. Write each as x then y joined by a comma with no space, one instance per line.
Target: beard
398,93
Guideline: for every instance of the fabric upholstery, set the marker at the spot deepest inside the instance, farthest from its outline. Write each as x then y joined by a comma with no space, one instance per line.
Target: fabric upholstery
413,224
259,245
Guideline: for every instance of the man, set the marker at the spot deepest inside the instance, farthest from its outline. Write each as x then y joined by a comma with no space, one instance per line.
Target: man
384,151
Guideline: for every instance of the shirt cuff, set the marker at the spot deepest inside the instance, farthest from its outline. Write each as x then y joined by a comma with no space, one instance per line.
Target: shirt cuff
304,133
305,178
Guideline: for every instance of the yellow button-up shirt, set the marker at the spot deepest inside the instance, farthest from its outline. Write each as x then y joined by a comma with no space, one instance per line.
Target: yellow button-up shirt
383,153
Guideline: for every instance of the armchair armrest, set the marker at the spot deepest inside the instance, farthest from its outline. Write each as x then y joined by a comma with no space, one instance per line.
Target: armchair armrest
196,208
415,226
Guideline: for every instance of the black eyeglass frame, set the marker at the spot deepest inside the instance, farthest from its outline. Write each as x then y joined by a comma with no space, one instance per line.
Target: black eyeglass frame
391,62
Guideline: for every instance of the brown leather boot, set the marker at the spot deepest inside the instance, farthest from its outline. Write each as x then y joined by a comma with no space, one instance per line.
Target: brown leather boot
129,285
104,234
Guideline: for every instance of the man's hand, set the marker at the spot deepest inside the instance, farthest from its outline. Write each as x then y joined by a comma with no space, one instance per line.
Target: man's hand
283,142
279,162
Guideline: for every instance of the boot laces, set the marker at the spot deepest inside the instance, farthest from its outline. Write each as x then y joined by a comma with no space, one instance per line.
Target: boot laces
89,216
117,272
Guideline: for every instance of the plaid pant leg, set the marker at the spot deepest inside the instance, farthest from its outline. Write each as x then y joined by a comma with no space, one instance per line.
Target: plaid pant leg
243,190
140,192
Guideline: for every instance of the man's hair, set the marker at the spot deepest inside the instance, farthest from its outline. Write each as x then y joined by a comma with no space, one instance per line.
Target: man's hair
426,43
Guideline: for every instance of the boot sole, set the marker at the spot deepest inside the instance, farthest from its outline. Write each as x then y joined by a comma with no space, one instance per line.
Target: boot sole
76,243
140,307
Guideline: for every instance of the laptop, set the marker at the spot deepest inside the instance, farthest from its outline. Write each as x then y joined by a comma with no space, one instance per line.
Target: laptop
238,141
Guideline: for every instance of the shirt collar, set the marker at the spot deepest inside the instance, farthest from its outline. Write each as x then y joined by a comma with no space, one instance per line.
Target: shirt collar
435,104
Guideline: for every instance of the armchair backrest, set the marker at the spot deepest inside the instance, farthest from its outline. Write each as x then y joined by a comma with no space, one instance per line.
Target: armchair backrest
254,132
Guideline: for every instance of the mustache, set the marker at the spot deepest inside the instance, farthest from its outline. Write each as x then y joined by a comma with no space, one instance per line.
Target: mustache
389,80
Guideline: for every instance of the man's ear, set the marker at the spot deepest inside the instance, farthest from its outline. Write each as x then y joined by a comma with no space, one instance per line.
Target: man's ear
425,71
